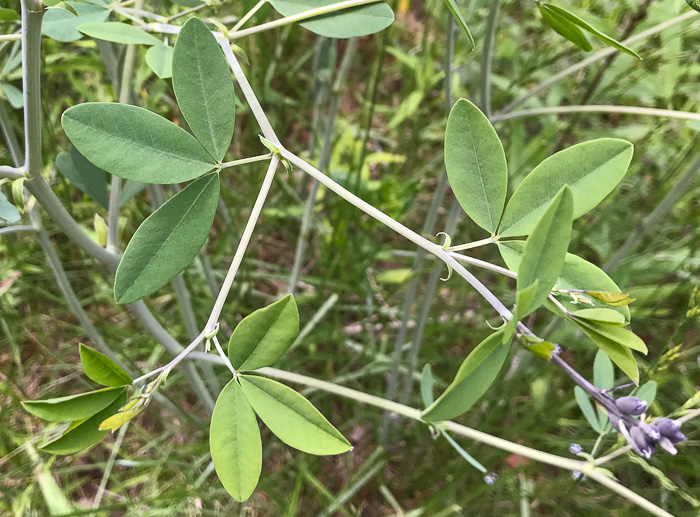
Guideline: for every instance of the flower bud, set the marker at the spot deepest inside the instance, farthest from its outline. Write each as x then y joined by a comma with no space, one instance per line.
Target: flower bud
666,445
667,426
652,433
614,421
575,448
640,443
678,437
631,405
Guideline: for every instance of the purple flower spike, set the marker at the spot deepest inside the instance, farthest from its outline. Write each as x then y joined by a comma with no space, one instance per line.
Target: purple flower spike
631,405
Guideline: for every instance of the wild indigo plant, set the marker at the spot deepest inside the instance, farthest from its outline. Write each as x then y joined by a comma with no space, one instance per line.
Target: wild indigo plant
532,231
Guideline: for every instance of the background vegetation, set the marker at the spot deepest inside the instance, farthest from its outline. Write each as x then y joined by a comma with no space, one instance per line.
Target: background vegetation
387,148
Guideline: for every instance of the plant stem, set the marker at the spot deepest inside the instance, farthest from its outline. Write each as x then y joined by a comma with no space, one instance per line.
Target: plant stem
31,86
187,11
11,172
631,110
223,355
470,245
601,54
10,37
242,245
248,15
243,161
17,228
487,55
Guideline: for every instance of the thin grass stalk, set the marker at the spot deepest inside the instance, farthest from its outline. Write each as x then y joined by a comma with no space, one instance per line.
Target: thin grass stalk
323,160
421,254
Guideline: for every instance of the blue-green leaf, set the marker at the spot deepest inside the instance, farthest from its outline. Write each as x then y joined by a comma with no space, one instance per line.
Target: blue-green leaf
167,241
134,143
292,418
72,407
591,170
265,335
234,440
204,88
476,164
475,376
84,175
8,212
544,252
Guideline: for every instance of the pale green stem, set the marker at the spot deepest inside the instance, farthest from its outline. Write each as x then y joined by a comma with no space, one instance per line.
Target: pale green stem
223,355
631,110
248,15
470,245
242,245
11,172
602,54
483,264
243,161
18,228
10,37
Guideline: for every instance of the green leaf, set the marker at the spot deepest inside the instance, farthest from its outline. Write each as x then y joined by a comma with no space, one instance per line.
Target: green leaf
603,372
72,407
118,32
130,189
615,333
587,408
134,143
13,95
234,440
167,241
83,433
564,27
61,25
475,376
84,175
647,392
348,23
577,273
265,335
8,15
601,315
8,212
544,252
204,88
542,349
457,14
694,4
159,58
620,354
591,170
603,378
102,369
572,18
611,298
476,164
426,385
292,418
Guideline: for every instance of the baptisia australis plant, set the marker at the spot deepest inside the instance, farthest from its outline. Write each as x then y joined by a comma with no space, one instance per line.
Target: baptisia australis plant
532,231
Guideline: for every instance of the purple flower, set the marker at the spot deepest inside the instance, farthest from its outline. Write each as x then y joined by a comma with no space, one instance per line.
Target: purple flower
631,405
575,448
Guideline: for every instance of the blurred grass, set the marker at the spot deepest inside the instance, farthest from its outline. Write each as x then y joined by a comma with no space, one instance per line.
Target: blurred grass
162,464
